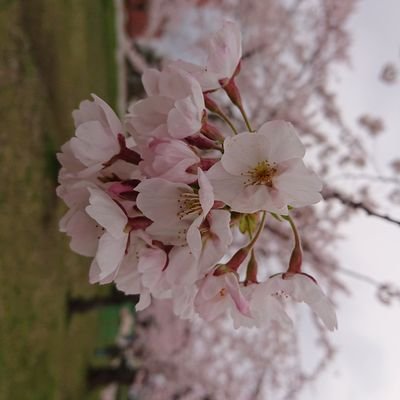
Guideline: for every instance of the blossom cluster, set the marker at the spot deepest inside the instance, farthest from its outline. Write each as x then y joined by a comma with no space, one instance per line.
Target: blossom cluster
157,198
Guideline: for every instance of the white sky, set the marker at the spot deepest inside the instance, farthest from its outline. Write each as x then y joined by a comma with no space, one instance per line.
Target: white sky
367,365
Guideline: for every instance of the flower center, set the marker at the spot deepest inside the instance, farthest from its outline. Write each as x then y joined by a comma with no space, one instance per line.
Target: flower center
188,204
261,174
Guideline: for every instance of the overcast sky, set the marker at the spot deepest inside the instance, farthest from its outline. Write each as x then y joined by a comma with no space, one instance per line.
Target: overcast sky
367,365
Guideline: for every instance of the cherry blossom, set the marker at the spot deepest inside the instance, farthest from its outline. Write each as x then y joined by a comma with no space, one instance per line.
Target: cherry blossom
177,210
97,129
113,242
264,171
173,109
169,159
303,288
162,210
217,294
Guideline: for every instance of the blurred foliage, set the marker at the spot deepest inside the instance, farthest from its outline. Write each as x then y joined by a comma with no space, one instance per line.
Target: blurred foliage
53,54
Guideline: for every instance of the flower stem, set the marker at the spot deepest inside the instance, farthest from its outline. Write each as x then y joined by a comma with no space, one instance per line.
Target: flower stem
258,233
212,106
296,257
224,117
246,120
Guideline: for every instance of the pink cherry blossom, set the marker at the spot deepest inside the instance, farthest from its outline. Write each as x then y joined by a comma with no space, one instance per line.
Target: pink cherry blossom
76,223
97,128
303,288
218,294
168,159
174,109
264,171
113,242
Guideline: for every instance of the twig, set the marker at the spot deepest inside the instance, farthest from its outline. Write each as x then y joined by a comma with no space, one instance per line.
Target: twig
360,206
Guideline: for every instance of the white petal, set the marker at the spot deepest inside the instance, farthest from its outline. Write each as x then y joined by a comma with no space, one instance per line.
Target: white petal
158,199
281,141
144,301
225,50
150,80
181,269
308,291
242,153
107,213
110,253
193,237
206,194
299,185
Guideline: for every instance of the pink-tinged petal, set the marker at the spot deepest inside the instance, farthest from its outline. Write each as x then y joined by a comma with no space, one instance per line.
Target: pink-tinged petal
193,237
95,274
110,253
181,269
207,80
232,285
218,241
168,159
151,264
266,308
150,80
82,230
211,286
68,160
256,198
97,110
93,144
183,301
206,193
225,50
281,141
144,301
299,185
184,119
109,115
226,186
242,153
107,213
277,285
176,83
158,198
128,278
168,234
148,117
212,309
241,197
305,289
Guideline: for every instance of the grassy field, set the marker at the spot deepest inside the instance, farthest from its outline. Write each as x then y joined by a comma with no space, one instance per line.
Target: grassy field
53,54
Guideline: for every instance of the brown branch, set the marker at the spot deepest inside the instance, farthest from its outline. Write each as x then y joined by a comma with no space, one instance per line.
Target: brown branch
357,205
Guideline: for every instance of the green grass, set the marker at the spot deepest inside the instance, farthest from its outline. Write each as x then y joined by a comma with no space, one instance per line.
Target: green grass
53,54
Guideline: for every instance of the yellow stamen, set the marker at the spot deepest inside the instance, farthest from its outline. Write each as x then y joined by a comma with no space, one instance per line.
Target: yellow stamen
261,174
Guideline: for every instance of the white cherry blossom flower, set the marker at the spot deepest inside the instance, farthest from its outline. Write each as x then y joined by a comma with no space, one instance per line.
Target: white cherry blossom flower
176,209
303,288
265,171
